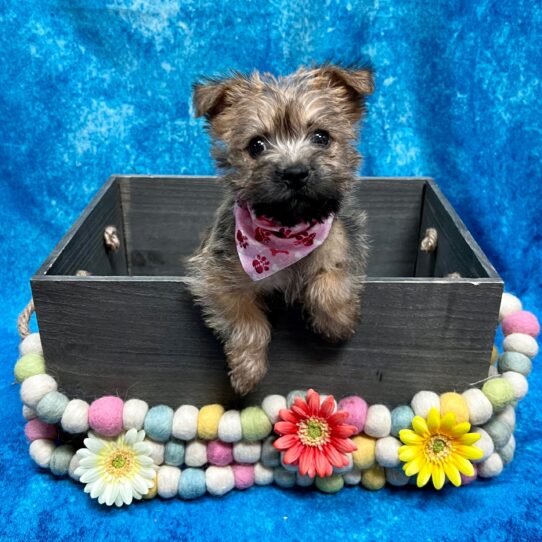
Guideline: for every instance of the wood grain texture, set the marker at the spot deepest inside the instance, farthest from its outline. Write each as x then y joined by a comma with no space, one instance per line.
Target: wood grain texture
144,338
141,336
165,217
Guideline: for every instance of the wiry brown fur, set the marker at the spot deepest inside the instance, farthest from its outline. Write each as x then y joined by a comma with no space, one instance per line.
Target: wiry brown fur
328,282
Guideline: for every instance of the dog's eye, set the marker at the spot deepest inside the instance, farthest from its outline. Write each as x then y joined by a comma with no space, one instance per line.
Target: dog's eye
320,138
256,146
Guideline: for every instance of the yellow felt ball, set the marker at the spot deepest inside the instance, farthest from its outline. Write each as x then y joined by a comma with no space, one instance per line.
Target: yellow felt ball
152,490
454,402
208,419
494,355
373,478
364,456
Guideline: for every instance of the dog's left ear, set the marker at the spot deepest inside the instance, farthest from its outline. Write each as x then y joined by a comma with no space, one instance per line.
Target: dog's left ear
212,96
351,85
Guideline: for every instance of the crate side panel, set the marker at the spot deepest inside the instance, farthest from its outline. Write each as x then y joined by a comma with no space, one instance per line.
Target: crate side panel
147,340
166,217
86,249
453,253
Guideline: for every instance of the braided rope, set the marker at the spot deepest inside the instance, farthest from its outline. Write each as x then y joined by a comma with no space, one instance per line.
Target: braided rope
23,322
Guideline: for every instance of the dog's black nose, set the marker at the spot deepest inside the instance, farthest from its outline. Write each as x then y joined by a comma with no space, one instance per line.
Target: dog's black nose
296,176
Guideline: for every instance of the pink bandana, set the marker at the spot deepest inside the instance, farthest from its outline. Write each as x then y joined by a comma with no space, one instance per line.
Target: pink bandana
265,247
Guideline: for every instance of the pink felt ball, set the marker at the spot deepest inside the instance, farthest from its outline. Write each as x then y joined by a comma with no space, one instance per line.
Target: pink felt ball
357,411
466,480
243,475
521,322
36,429
105,416
219,453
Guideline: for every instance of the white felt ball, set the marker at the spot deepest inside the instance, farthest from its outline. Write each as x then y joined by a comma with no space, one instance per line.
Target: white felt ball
31,345
247,451
491,467
219,480
167,481
509,305
396,477
229,426
271,405
195,453
480,408
352,478
423,402
34,388
508,450
185,422
75,417
263,475
507,416
347,468
157,451
485,443
522,343
378,421
41,451
74,463
29,413
519,383
387,452
133,414
303,481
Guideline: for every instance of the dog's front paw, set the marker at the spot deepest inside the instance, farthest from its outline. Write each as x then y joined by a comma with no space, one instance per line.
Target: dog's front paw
247,371
338,326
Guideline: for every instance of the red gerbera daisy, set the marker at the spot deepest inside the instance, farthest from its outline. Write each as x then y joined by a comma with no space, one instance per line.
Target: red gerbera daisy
313,436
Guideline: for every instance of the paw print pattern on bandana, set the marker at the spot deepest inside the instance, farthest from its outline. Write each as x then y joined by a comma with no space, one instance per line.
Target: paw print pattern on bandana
266,247
242,239
260,264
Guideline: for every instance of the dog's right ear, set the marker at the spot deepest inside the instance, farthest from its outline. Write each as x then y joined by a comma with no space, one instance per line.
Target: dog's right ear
212,96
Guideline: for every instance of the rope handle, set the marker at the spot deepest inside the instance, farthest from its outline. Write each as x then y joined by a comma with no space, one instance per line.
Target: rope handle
23,322
430,240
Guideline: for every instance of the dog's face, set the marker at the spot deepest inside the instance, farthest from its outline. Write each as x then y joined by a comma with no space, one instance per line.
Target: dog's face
287,144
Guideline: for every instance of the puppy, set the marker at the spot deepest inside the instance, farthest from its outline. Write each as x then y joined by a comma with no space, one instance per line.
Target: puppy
288,224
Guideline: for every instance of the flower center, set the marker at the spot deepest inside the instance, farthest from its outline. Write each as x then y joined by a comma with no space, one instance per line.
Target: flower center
313,432
119,463
438,448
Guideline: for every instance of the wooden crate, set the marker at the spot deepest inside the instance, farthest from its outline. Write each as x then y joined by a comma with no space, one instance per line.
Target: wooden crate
131,328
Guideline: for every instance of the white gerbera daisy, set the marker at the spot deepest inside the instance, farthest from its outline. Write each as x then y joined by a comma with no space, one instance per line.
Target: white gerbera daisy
116,471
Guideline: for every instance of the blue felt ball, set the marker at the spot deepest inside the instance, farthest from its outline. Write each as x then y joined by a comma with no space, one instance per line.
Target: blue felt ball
293,394
515,361
158,422
174,453
52,406
284,478
192,484
401,418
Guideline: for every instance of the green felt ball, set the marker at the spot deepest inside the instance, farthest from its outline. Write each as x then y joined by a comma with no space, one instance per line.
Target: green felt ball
60,460
499,392
330,484
29,365
52,406
255,423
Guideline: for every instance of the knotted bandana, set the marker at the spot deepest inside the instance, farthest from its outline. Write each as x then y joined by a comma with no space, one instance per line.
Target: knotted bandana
265,247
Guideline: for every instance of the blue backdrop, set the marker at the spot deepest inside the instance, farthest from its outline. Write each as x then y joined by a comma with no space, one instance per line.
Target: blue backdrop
88,88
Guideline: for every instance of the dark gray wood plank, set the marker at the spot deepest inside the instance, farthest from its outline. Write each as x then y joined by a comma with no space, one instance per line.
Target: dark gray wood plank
144,338
83,247
457,251
165,217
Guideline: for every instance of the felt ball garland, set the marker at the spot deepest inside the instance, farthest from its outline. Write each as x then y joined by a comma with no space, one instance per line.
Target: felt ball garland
208,450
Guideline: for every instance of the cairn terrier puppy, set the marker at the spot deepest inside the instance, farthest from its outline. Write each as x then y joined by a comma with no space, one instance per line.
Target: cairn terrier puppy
288,224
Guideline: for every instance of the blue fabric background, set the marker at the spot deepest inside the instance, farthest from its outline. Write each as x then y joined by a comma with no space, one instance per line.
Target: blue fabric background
88,88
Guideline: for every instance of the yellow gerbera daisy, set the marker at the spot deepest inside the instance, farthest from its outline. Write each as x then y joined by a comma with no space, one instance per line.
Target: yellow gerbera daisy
438,448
